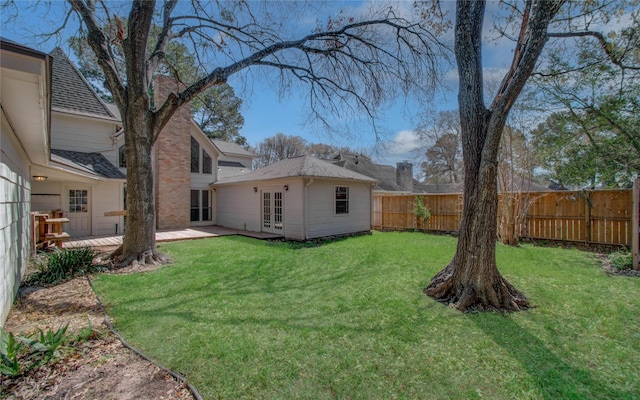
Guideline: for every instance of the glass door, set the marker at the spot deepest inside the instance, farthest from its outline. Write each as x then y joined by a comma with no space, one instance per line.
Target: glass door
272,212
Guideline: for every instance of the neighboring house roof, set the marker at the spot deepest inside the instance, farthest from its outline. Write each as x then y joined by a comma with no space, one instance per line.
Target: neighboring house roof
94,163
442,188
229,148
71,92
302,166
386,175
553,185
459,188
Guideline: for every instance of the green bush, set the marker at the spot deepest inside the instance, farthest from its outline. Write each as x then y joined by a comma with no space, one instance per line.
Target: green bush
421,210
621,260
63,265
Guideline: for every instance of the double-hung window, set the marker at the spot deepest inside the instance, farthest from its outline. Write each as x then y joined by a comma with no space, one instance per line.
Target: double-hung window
342,200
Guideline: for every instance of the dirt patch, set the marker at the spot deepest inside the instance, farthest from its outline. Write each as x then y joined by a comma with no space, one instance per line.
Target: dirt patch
72,302
611,270
100,368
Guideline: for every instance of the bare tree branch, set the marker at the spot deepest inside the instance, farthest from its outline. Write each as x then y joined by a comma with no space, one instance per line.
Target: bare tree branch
606,46
99,42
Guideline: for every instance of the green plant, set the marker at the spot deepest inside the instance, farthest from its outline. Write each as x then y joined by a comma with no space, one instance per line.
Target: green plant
87,333
10,347
40,348
420,209
621,260
47,343
63,265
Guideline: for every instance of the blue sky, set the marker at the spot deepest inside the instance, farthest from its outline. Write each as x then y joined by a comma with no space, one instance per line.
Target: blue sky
267,114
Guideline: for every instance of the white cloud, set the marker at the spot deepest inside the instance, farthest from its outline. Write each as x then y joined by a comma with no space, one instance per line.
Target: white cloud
403,142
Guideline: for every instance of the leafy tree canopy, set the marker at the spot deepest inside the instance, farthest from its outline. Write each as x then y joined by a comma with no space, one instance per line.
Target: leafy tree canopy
592,137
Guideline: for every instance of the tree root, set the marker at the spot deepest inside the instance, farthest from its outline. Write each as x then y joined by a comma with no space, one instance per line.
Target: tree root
467,296
149,257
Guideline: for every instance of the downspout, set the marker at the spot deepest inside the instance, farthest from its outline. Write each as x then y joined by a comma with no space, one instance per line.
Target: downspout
305,227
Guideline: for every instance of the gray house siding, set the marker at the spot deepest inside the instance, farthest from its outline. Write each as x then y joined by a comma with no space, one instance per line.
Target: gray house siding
237,207
15,193
322,218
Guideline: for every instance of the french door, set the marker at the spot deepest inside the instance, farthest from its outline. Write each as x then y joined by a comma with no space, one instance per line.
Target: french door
272,209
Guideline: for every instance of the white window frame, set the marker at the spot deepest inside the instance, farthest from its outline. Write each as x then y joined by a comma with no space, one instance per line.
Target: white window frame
345,200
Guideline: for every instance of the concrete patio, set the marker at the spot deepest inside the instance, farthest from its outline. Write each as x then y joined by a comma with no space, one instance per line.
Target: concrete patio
173,235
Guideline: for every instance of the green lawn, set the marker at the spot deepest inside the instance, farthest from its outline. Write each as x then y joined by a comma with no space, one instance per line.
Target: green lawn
243,318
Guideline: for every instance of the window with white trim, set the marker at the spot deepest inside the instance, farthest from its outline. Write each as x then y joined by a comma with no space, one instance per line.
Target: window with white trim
201,205
122,157
207,163
78,201
195,155
342,200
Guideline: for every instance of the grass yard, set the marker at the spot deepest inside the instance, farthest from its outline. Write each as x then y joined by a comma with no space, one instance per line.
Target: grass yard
243,318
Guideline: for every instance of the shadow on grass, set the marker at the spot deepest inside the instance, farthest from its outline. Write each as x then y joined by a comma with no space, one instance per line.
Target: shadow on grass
554,377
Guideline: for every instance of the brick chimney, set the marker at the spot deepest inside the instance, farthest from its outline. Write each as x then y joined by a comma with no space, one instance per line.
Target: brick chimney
404,175
173,161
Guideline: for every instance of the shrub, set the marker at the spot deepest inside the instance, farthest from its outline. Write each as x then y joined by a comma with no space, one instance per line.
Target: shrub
17,359
421,210
63,265
621,260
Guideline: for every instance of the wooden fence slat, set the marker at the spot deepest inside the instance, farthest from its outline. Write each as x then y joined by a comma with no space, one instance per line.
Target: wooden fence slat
594,216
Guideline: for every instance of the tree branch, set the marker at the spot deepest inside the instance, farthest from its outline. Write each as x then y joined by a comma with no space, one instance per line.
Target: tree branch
99,42
164,37
331,45
606,46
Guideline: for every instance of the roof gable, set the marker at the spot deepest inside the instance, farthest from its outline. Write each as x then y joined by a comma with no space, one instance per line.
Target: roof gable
303,166
203,139
72,92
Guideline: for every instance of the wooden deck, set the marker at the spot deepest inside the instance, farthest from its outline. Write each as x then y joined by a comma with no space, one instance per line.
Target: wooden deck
166,235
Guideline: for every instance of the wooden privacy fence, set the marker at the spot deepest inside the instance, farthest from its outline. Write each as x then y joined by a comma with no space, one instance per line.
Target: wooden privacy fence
595,216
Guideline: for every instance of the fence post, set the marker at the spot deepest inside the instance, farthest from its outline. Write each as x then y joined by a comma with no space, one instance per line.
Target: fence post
635,222
587,217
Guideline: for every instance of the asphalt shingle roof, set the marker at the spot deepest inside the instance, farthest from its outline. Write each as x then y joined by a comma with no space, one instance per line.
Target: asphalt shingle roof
231,148
91,162
384,174
71,92
303,166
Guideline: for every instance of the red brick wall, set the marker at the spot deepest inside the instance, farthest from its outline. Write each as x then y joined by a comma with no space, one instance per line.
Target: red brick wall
173,162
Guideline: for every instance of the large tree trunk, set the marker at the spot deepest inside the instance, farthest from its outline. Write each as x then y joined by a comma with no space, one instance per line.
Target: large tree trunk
472,282
139,242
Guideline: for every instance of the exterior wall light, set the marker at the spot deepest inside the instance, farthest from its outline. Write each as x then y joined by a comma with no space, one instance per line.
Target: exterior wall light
286,188
255,189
